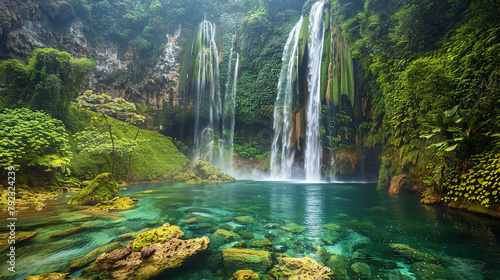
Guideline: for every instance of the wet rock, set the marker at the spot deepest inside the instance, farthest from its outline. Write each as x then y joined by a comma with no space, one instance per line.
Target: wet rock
68,231
152,259
244,220
241,244
261,243
156,236
102,188
303,268
50,276
117,203
245,275
295,228
412,254
207,173
245,234
362,270
429,271
20,237
92,256
125,236
190,221
235,259
222,236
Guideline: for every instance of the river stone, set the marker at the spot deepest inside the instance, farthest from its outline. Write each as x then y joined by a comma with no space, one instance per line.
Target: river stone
67,232
300,268
412,254
245,220
261,243
235,259
20,237
295,228
362,270
245,275
429,271
339,265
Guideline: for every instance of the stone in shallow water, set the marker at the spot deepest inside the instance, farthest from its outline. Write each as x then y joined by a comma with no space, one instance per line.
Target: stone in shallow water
20,237
244,220
245,234
295,228
236,259
222,236
303,268
412,254
245,275
261,243
190,221
429,271
50,276
339,265
68,231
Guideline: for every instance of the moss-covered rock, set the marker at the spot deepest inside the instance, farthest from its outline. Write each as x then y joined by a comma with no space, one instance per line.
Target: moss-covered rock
430,271
102,188
412,254
235,259
295,228
117,203
339,265
244,220
303,268
209,173
156,236
362,270
221,236
20,237
261,243
245,275
67,232
50,276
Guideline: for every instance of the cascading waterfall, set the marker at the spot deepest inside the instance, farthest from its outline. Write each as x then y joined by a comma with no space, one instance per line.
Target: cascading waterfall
226,148
282,153
207,93
313,150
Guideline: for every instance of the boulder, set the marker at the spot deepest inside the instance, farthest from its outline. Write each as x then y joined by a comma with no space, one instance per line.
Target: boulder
245,275
295,228
117,203
412,254
222,236
303,268
20,237
244,220
102,188
235,259
152,258
261,243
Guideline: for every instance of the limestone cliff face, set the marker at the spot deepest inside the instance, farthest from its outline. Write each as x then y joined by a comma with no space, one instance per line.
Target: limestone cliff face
27,25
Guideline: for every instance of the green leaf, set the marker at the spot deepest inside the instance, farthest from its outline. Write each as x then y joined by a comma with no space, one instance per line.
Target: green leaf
451,148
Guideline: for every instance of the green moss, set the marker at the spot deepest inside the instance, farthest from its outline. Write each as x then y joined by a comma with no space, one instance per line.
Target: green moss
117,203
102,188
156,236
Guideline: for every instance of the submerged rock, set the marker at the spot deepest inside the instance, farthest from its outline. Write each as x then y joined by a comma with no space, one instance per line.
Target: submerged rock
20,237
152,257
244,220
102,188
235,259
362,270
68,231
261,243
430,271
339,265
412,254
303,268
222,236
190,221
295,228
245,275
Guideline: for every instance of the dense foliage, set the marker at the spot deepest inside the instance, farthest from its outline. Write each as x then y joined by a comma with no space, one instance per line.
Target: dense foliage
49,81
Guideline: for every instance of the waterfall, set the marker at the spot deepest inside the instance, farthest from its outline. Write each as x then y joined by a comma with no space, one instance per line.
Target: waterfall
282,153
208,105
226,149
313,150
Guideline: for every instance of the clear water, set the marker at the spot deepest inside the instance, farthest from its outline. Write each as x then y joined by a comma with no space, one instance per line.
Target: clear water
466,245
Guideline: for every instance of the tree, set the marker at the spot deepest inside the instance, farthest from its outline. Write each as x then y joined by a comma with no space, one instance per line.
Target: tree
49,82
99,136
33,138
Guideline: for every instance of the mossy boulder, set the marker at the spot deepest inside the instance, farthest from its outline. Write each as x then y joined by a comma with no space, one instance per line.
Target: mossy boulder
261,243
235,259
300,268
50,276
362,270
156,236
117,203
339,265
20,237
295,228
245,275
102,188
412,254
244,220
222,236
68,231
210,174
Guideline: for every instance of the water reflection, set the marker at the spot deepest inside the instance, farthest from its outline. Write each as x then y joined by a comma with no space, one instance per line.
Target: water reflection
314,211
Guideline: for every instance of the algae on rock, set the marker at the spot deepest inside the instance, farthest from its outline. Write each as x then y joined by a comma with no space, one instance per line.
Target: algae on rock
102,188
156,236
